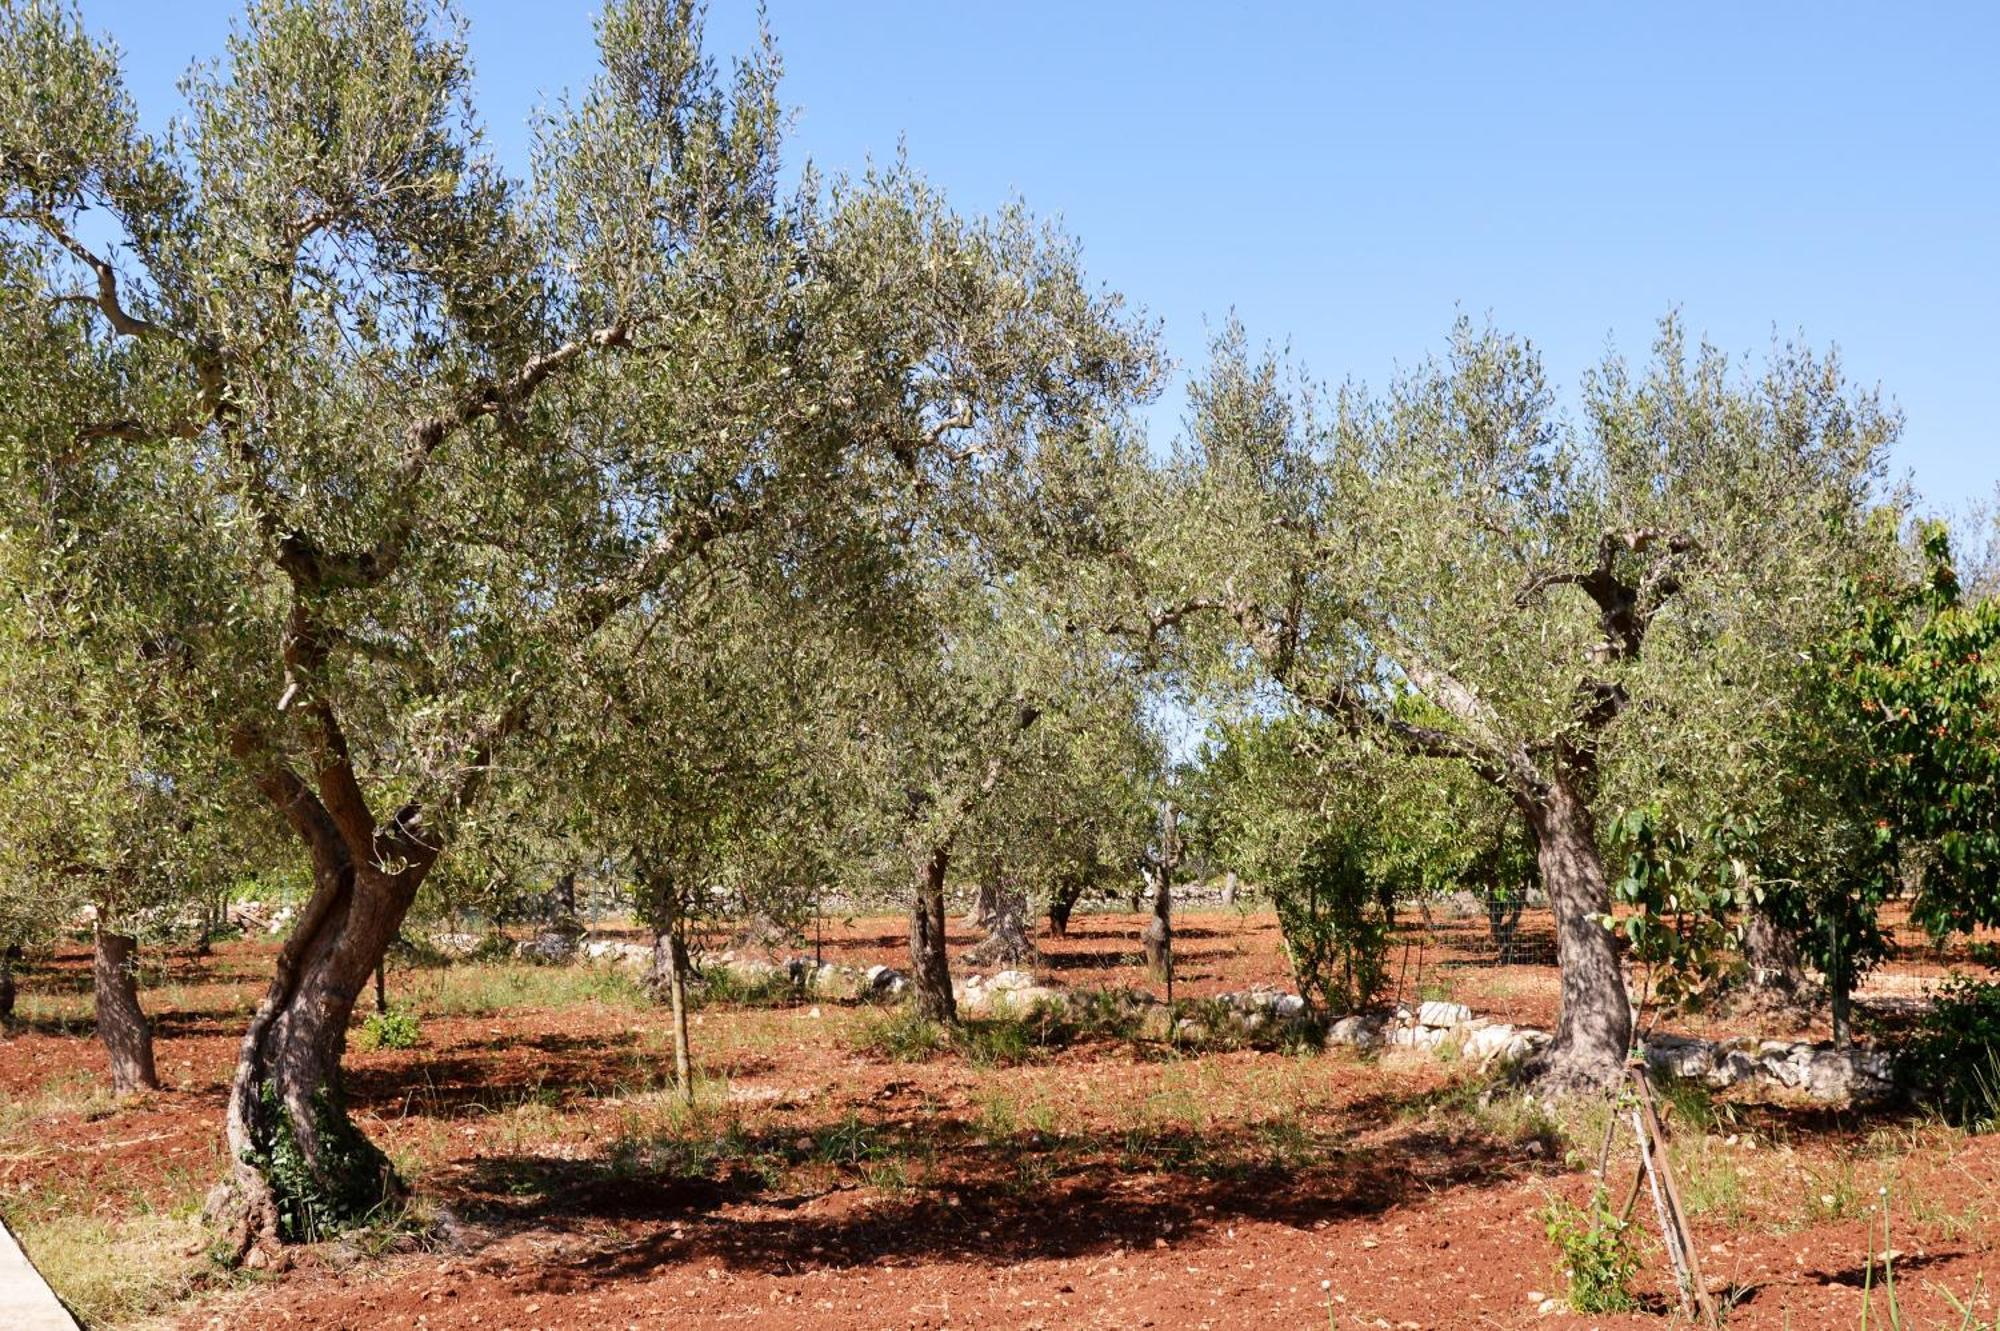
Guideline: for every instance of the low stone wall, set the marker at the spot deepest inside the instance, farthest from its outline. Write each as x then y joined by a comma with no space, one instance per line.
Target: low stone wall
1816,1071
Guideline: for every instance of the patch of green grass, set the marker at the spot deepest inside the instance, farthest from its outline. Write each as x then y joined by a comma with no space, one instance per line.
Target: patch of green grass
1832,1193
998,1119
903,1035
1286,1144
1107,1014
1710,1182
850,1142
114,1271
485,988
78,1091
1690,1106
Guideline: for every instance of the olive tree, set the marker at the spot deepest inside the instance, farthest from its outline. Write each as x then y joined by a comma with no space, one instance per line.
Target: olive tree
1073,816
114,802
447,426
1554,589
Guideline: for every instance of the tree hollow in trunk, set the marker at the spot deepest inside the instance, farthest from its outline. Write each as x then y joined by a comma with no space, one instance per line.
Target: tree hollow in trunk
121,1022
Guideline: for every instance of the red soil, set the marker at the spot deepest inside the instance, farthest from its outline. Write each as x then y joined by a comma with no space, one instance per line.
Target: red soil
1106,1185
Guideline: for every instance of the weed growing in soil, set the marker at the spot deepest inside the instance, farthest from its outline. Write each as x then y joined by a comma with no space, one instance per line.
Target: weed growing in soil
1831,1194
1599,1256
394,1029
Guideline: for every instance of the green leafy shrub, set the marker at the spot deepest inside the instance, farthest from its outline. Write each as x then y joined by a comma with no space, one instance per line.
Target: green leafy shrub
394,1029
1599,1256
1336,915
1954,1063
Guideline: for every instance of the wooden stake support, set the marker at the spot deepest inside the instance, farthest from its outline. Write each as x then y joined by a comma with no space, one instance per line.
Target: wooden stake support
1658,1171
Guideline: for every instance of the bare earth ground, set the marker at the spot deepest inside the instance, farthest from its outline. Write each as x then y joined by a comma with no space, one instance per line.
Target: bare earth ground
1111,1183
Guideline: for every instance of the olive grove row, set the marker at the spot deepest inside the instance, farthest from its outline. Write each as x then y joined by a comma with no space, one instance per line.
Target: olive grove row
418,535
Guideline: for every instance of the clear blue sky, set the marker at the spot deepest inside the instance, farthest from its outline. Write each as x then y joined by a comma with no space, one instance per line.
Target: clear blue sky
1347,178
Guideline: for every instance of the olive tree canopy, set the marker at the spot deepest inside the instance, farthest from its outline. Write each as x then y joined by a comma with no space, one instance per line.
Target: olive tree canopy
1561,592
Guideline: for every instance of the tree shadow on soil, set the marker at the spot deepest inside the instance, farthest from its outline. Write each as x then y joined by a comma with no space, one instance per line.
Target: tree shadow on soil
561,1071
773,1201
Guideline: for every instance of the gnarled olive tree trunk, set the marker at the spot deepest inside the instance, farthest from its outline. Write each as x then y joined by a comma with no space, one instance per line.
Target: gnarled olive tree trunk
1594,1028
1004,915
300,1169
121,1023
930,968
668,976
1774,977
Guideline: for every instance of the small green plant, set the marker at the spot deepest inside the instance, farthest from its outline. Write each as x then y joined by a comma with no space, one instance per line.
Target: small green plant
394,1029
1599,1255
848,1142
1954,1063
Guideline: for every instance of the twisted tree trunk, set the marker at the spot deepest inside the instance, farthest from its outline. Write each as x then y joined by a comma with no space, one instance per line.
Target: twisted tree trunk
1007,941
1594,1029
121,1022
301,1169
930,968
